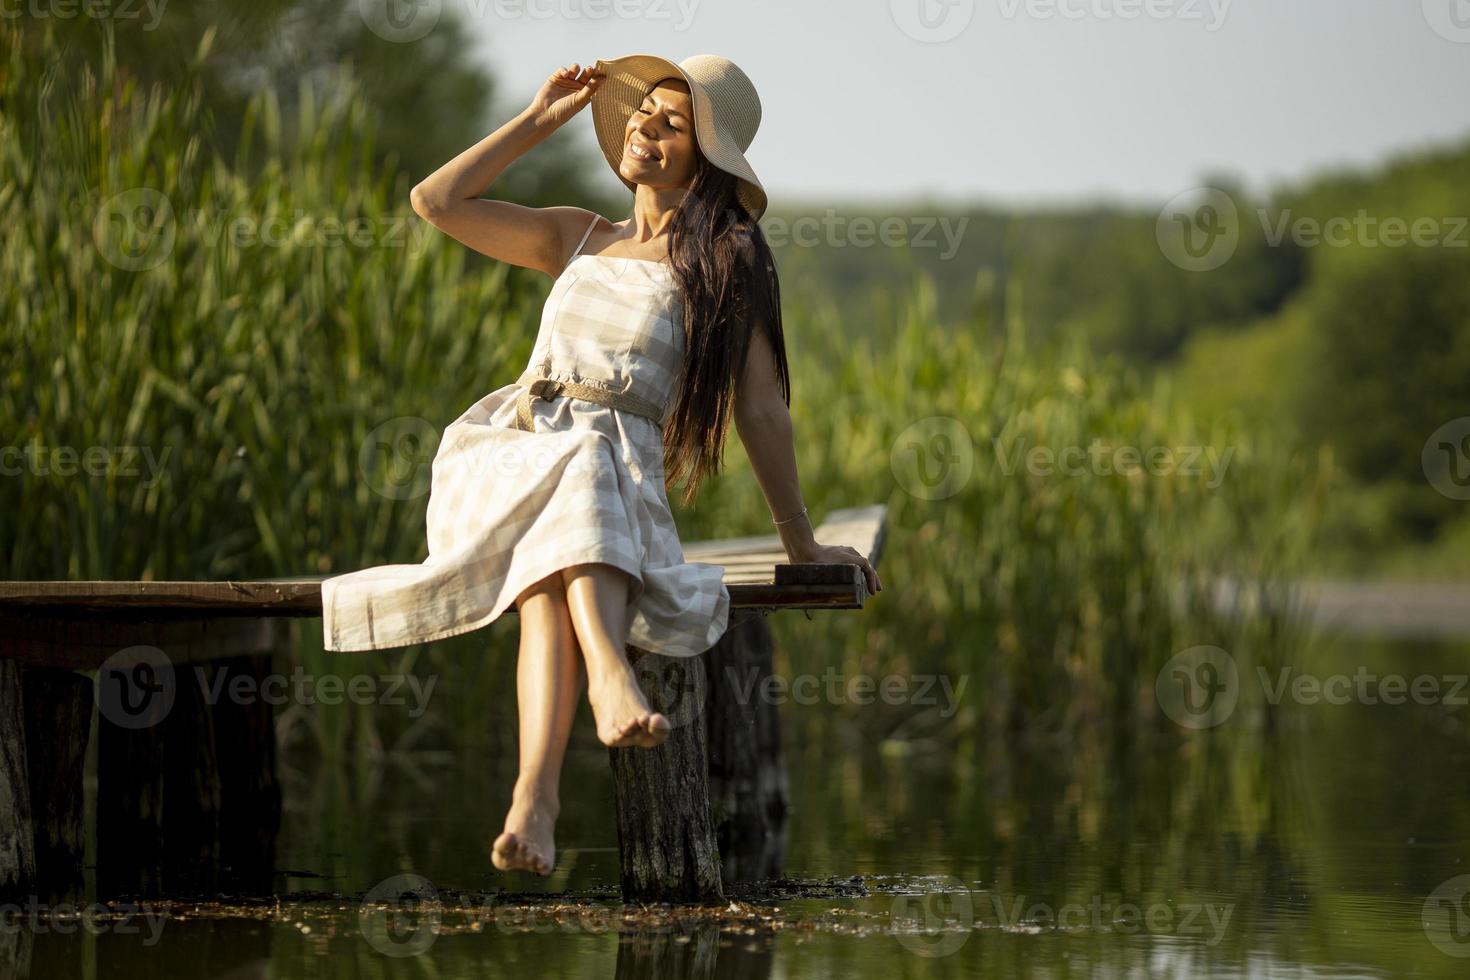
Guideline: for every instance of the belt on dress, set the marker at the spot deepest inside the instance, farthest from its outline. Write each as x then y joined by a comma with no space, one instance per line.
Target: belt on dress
539,386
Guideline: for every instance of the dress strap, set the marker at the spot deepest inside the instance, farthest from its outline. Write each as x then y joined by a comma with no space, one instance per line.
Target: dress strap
585,235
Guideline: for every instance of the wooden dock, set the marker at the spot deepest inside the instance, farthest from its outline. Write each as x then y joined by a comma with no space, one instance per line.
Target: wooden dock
188,797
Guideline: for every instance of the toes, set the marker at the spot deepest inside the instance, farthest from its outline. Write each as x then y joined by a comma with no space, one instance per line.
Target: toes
655,728
623,735
503,853
533,859
644,731
511,853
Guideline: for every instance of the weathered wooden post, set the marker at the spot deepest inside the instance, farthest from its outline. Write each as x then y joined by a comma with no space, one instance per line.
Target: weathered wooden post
709,805
250,790
58,718
191,787
169,762
58,713
136,690
666,840
17,848
748,787
16,949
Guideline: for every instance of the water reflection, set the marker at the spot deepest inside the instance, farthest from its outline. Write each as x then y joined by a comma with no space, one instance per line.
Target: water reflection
1327,840
700,956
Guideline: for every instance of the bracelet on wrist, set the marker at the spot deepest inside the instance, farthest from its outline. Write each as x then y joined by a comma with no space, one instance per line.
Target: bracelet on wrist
789,519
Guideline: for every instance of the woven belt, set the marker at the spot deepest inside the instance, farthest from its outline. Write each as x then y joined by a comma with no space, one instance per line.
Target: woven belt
538,386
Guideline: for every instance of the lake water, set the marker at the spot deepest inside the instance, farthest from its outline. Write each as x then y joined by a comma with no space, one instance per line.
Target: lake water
1330,843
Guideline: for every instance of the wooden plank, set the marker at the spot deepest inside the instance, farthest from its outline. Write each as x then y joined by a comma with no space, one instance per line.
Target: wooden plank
755,571
247,598
757,586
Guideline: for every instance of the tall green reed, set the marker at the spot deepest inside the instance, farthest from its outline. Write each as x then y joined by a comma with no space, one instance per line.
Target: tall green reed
143,309
1060,594
249,331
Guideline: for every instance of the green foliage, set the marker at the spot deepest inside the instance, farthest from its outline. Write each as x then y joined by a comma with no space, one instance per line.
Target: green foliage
1368,357
1390,353
1059,593
1391,319
1244,372
237,329
1096,272
1102,274
264,371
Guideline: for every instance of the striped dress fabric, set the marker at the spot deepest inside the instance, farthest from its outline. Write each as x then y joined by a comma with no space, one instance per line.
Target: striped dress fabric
509,507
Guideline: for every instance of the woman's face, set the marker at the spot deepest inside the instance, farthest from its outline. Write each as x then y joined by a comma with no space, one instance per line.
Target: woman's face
658,144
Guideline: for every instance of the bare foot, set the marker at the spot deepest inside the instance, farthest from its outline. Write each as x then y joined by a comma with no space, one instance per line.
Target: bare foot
622,713
656,728
528,843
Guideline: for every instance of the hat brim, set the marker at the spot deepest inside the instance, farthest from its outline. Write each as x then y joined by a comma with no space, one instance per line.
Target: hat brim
627,82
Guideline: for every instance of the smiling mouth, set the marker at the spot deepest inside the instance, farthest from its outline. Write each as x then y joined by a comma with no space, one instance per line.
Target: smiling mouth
639,153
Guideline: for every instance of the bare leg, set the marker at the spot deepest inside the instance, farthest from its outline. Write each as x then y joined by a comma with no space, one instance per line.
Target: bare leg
548,682
597,596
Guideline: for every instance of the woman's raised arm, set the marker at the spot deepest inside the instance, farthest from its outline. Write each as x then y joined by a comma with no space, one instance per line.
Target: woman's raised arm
535,238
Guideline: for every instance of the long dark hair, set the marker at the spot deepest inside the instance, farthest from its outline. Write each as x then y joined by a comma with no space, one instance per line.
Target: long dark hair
727,281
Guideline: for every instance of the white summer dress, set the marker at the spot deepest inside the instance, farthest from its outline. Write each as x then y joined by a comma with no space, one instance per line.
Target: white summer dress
508,507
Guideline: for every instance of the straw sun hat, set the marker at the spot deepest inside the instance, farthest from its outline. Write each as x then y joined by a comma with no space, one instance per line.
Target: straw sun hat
727,112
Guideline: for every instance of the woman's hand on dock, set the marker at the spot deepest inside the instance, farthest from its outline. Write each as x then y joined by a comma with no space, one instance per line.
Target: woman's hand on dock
564,94
840,554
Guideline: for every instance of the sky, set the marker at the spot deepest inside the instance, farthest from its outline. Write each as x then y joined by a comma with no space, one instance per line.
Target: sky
1031,101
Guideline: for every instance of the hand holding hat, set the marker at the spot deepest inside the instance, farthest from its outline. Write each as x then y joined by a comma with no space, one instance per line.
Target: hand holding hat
565,92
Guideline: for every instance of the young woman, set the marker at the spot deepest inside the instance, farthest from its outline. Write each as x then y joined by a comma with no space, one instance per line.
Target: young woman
552,492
